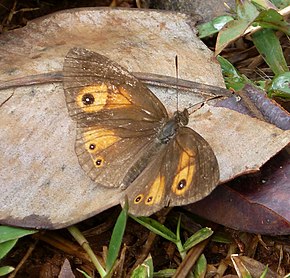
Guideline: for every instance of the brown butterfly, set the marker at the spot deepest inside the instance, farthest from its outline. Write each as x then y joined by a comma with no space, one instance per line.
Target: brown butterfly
126,139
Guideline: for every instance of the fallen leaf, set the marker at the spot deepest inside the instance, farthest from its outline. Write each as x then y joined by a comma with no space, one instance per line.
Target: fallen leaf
42,184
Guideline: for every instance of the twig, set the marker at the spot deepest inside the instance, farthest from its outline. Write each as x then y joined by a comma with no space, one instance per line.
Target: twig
26,256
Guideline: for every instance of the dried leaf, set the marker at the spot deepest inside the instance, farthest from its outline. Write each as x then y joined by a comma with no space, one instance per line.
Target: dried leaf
42,184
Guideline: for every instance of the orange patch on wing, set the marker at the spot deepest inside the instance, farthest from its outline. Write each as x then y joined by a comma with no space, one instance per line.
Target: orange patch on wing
156,191
102,96
99,94
118,97
185,172
98,140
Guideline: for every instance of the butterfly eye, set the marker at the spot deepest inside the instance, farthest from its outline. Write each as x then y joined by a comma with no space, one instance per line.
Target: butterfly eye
88,99
138,199
99,162
181,184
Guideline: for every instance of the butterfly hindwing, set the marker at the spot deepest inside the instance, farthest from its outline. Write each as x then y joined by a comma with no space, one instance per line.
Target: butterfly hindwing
184,172
197,172
106,155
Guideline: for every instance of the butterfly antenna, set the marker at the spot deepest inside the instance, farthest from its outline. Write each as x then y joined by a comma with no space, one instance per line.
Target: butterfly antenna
176,75
202,103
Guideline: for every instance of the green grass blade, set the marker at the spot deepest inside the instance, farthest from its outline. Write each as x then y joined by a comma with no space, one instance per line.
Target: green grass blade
84,273
10,233
116,239
6,246
78,236
264,274
269,47
155,227
198,237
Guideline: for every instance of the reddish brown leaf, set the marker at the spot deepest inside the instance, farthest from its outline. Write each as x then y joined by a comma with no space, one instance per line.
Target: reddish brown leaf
257,204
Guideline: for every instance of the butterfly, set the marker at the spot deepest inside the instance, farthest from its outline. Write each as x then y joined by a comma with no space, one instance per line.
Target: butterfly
126,139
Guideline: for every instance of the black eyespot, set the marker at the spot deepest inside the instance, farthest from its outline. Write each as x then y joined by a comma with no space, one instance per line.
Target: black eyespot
181,184
149,199
92,146
88,99
99,162
138,199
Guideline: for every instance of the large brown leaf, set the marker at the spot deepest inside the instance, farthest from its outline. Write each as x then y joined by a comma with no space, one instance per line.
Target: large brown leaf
41,182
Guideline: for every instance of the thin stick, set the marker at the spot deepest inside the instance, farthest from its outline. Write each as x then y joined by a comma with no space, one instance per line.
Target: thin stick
24,259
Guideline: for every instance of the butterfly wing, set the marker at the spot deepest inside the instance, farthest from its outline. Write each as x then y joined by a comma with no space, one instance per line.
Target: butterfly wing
117,116
108,88
185,171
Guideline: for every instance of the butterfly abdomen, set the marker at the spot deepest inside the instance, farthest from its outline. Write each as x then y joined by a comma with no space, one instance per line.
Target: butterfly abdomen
141,163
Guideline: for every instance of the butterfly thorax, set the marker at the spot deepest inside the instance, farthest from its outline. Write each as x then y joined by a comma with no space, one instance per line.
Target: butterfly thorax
169,129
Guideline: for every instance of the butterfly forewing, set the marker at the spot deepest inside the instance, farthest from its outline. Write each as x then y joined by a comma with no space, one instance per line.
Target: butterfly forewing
93,84
117,116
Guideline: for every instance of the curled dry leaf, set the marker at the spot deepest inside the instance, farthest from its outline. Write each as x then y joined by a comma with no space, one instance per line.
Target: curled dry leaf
256,204
257,104
42,184
245,265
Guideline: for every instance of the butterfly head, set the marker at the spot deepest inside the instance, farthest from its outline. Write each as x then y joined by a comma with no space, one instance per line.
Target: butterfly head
169,129
181,118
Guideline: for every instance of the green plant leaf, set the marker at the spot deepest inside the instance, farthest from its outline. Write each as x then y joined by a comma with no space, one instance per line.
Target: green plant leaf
222,237
280,4
264,4
233,79
145,270
272,19
4,270
199,270
116,239
198,237
164,273
155,227
269,47
280,86
209,28
6,246
246,13
10,233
